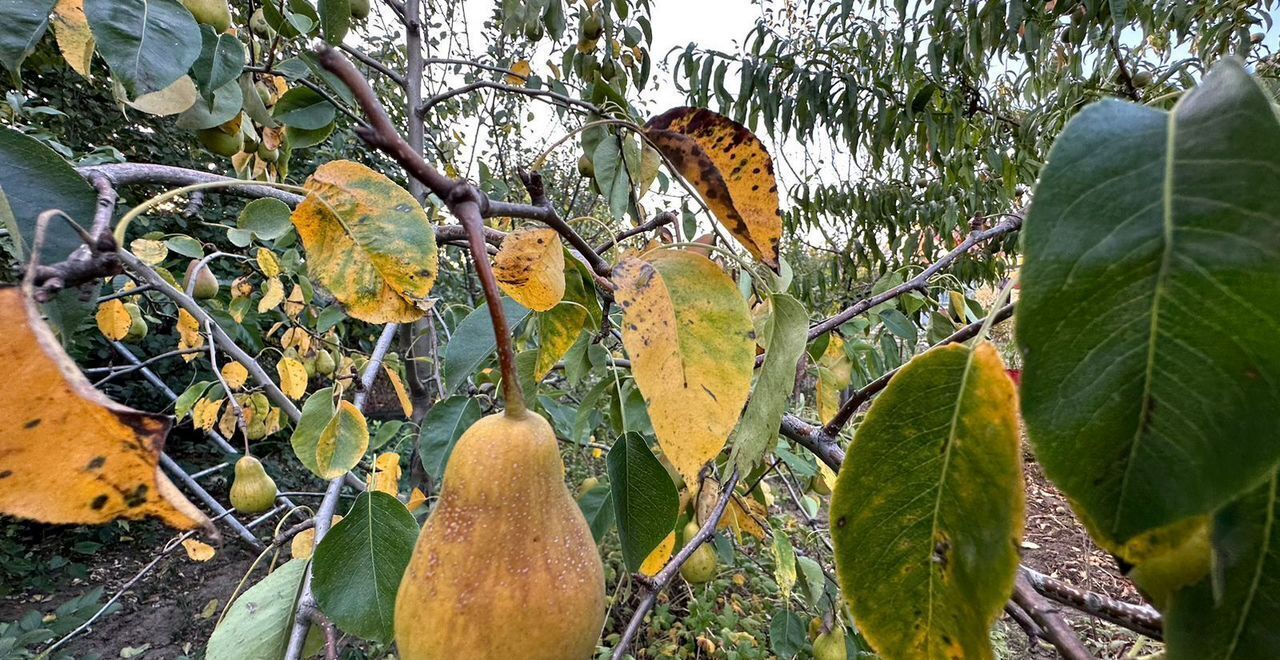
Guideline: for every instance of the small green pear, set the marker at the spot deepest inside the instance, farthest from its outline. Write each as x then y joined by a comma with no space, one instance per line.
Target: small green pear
252,490
359,9
830,645
214,13
589,484
137,326
586,168
259,26
206,283
701,565
324,363
219,142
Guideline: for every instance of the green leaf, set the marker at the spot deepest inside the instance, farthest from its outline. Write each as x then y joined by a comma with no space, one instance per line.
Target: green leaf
784,333
1149,309
257,625
784,560
185,246
359,563
316,413
342,443
25,22
899,324
611,175
227,102
788,635
597,507
35,179
927,511
473,342
441,428
1242,623
267,218
299,18
148,44
220,61
559,327
303,108
185,401
386,433
253,105
645,502
335,20
815,581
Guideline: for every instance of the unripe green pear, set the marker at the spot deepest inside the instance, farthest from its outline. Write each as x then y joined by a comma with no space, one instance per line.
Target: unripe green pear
206,283
589,484
505,567
259,26
324,363
701,565
1141,79
830,645
359,9
137,326
593,26
586,167
252,491
214,13
220,142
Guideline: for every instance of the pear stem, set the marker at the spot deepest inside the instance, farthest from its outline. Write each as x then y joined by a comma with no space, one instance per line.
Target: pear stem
469,214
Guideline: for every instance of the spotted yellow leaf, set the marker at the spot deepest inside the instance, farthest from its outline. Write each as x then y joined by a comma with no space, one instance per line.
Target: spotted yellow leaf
295,303
386,474
303,544
659,556
189,335
113,320
744,515
297,339
530,268
230,421
71,30
692,348
268,263
68,454
293,378
198,550
235,374
730,169
272,297
368,242
205,414
342,442
406,404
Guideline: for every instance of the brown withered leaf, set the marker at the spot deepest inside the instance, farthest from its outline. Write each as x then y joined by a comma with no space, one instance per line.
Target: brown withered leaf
730,168
68,454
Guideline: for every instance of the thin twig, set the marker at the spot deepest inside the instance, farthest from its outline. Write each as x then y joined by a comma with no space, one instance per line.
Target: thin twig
540,94
538,197
664,218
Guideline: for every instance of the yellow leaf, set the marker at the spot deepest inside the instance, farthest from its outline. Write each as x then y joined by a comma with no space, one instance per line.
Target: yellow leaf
403,395
342,442
148,251
198,550
293,378
114,320
530,268
304,543
272,297
417,500
295,304
521,71
229,422
189,335
835,372
386,474
68,454
368,242
235,374
731,170
743,516
268,263
180,95
297,339
71,30
692,348
659,556
205,414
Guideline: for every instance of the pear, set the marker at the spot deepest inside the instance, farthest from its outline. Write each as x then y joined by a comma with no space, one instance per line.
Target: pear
220,142
214,13
505,567
258,25
324,363
830,645
701,565
137,325
206,284
359,9
589,484
252,491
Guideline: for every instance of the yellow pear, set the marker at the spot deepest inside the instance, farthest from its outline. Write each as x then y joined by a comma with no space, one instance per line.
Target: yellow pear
206,283
220,143
701,565
830,645
252,491
137,326
214,13
505,567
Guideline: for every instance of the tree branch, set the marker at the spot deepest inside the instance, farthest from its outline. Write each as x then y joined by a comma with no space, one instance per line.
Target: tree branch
664,218
1141,619
663,579
1055,628
540,94
538,197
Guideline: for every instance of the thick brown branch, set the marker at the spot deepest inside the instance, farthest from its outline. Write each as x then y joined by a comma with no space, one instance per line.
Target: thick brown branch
1055,628
1141,619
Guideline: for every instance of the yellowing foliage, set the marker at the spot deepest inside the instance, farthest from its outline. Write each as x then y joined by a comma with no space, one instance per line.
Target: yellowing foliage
235,374
272,297
268,263
189,335
530,268
293,378
113,320
71,30
198,550
835,372
51,469
659,556
692,348
730,168
386,474
402,395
